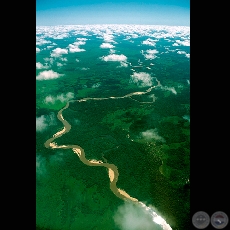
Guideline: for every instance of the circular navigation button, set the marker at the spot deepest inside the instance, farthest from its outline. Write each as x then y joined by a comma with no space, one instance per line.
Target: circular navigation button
219,220
200,220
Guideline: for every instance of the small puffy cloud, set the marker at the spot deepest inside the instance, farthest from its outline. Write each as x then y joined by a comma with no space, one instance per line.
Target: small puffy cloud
48,75
84,68
106,45
50,60
78,43
63,59
74,48
41,41
108,37
49,47
149,42
123,64
59,64
142,79
81,31
172,89
186,117
61,35
127,37
152,134
37,50
96,85
82,39
180,86
115,57
149,54
132,216
183,52
61,97
134,35
39,65
49,99
152,51
58,52
43,122
153,97
182,43
112,51
77,122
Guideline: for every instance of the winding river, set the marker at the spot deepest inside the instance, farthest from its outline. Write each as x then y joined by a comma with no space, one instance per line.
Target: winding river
112,169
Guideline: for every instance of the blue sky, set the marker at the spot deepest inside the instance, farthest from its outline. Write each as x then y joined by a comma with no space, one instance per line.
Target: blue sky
147,12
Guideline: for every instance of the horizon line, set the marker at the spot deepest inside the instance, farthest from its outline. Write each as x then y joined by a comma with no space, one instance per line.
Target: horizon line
115,24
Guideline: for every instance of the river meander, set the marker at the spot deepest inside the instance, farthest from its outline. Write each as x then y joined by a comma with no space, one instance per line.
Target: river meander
112,169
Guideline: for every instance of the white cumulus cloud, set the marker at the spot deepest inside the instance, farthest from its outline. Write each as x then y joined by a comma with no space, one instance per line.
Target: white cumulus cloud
152,134
59,64
123,64
108,37
48,75
44,121
58,52
186,117
41,123
107,45
133,217
50,60
41,41
183,52
63,59
171,89
115,57
182,43
149,42
82,39
39,65
150,54
61,97
142,79
96,85
74,48
112,51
